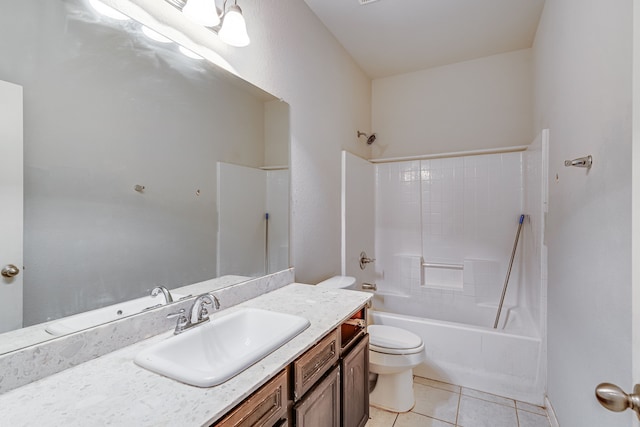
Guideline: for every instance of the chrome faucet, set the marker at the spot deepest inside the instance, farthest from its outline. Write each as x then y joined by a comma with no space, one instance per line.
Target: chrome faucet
161,289
198,313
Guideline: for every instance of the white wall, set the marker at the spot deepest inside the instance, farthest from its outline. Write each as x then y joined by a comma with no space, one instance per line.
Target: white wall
582,68
276,133
483,103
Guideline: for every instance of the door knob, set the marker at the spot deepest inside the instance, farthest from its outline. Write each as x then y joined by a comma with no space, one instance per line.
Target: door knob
10,271
614,399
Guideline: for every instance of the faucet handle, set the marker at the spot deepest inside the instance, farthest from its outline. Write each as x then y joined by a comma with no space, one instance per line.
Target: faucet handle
176,314
182,322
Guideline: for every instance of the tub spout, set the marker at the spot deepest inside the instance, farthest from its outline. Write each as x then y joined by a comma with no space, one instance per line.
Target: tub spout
369,287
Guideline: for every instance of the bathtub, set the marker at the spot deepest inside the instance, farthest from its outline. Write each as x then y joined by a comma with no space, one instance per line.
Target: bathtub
507,361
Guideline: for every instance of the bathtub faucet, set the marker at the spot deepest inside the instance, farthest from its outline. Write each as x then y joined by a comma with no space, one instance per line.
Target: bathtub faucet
364,260
369,287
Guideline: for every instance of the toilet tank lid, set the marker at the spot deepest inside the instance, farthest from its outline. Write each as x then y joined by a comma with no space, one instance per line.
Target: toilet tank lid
338,282
392,337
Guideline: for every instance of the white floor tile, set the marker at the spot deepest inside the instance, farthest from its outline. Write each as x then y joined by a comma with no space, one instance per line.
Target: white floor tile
488,397
481,413
411,419
529,419
440,404
531,408
380,418
436,403
436,384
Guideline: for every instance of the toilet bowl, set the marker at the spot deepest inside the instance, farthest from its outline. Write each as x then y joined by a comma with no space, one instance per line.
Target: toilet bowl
393,353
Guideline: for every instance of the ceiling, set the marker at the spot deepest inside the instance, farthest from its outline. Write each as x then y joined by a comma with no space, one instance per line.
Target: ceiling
389,37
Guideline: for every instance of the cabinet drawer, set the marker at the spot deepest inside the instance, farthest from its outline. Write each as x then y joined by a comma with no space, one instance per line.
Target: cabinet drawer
264,408
314,363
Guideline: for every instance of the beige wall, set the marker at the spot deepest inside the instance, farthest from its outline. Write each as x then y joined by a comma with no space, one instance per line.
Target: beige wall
582,69
483,103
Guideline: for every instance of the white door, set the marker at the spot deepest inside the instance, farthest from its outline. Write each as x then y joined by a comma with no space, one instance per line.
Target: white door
12,206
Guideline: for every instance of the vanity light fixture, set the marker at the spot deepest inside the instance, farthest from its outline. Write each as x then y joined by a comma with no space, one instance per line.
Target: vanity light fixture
187,52
234,29
108,10
228,24
154,35
203,12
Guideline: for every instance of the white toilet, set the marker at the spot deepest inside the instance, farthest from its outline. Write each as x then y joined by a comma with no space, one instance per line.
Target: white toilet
393,353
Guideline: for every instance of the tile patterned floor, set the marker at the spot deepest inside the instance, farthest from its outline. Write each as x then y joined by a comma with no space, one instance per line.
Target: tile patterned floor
440,404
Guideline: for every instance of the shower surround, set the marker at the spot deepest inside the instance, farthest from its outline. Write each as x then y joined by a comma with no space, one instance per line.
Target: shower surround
444,232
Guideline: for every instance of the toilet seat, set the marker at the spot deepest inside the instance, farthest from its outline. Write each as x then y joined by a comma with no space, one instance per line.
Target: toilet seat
391,340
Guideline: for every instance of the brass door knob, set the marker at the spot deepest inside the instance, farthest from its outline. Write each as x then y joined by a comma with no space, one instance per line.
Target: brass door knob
614,399
10,271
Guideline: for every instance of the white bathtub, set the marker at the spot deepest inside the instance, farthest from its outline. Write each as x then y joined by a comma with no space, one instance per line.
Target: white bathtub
504,361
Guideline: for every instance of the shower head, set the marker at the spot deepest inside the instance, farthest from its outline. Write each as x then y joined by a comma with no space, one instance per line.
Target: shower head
370,138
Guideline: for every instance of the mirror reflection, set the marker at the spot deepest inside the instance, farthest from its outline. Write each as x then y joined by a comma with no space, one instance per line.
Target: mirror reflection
142,167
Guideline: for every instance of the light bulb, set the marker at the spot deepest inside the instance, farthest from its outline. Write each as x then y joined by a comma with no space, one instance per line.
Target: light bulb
154,35
189,53
203,12
234,29
108,10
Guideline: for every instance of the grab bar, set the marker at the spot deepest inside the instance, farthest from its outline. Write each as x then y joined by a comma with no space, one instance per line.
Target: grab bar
441,265
506,280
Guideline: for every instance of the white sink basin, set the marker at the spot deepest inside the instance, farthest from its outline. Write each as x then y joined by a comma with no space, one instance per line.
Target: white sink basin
92,318
211,353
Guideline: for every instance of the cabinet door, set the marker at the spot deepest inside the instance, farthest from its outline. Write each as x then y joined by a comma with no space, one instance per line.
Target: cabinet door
321,406
355,385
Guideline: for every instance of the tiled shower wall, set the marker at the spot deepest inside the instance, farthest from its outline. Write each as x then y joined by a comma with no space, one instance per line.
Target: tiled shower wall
447,211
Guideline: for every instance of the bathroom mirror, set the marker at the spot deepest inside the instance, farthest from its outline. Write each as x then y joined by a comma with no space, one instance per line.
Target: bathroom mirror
142,166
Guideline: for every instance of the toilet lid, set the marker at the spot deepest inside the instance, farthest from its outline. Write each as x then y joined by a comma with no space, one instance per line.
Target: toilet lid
338,282
390,337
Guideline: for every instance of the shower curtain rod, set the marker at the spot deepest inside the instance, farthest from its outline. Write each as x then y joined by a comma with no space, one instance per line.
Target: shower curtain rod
452,154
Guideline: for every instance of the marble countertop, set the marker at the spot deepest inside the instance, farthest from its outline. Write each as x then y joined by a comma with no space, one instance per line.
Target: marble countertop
112,390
